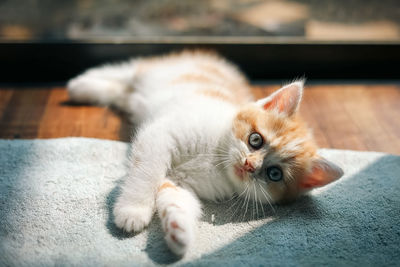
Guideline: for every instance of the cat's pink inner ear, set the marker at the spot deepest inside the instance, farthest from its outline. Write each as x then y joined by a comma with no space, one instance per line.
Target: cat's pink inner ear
323,172
286,99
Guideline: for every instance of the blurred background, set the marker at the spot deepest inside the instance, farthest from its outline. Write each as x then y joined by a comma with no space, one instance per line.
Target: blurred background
51,41
349,50
333,20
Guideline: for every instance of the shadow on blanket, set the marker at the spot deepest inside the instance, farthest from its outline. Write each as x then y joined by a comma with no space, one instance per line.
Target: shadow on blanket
354,221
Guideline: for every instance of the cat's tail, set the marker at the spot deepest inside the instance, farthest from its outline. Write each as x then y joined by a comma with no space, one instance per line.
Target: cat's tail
104,85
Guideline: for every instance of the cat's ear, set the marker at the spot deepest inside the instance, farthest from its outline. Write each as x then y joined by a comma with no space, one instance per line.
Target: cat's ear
322,173
286,99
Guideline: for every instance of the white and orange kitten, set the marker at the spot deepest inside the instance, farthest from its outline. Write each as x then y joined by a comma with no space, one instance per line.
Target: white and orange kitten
200,135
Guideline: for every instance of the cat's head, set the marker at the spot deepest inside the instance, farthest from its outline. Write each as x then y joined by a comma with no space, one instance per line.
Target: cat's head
272,152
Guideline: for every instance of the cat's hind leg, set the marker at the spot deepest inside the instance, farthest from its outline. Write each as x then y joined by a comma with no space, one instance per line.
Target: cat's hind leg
104,85
179,211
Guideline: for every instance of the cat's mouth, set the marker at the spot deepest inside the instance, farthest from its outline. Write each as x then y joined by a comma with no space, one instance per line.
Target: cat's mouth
240,171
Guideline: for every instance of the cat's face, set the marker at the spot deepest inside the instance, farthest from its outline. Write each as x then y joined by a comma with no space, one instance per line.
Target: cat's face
272,153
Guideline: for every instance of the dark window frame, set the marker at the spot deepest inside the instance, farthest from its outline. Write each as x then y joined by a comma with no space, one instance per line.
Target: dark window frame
259,58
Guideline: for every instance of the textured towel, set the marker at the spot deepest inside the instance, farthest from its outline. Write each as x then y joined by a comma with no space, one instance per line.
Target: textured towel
56,197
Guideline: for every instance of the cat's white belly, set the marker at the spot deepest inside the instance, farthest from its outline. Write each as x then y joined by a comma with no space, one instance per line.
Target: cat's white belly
201,125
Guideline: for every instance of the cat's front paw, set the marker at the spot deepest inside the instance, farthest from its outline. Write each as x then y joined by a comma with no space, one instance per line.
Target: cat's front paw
179,232
132,218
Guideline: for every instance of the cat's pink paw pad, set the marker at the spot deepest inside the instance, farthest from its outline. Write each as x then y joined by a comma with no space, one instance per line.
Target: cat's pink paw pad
178,241
179,235
132,218
175,225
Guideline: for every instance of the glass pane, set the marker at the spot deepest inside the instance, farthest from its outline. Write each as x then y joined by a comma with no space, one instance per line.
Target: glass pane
309,20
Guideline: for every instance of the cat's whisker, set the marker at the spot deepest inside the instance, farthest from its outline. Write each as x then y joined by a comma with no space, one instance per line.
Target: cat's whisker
247,186
223,150
261,204
261,181
268,198
222,162
237,199
239,196
247,200
227,165
226,141
255,198
253,209
237,204
230,199
194,155
245,191
245,197
233,204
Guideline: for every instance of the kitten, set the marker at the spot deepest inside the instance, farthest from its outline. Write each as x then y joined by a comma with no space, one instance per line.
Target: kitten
200,135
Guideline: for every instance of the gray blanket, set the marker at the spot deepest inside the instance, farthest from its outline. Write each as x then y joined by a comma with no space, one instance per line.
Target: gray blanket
56,197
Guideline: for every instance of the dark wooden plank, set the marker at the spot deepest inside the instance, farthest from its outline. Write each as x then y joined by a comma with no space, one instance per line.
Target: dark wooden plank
5,96
334,120
62,119
22,114
309,115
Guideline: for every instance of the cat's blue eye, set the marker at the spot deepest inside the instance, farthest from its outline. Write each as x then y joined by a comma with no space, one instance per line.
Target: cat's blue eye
255,140
274,173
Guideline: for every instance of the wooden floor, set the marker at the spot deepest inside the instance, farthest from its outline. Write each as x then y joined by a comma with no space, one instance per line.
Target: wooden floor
357,117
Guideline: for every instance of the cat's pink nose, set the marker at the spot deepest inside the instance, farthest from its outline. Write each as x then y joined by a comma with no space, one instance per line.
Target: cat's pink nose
248,166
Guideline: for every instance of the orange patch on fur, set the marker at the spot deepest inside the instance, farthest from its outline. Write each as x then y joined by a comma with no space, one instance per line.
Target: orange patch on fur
255,158
190,77
216,94
211,71
166,185
247,121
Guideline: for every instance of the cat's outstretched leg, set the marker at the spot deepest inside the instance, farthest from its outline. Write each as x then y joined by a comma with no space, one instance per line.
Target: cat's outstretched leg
104,85
179,212
151,156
